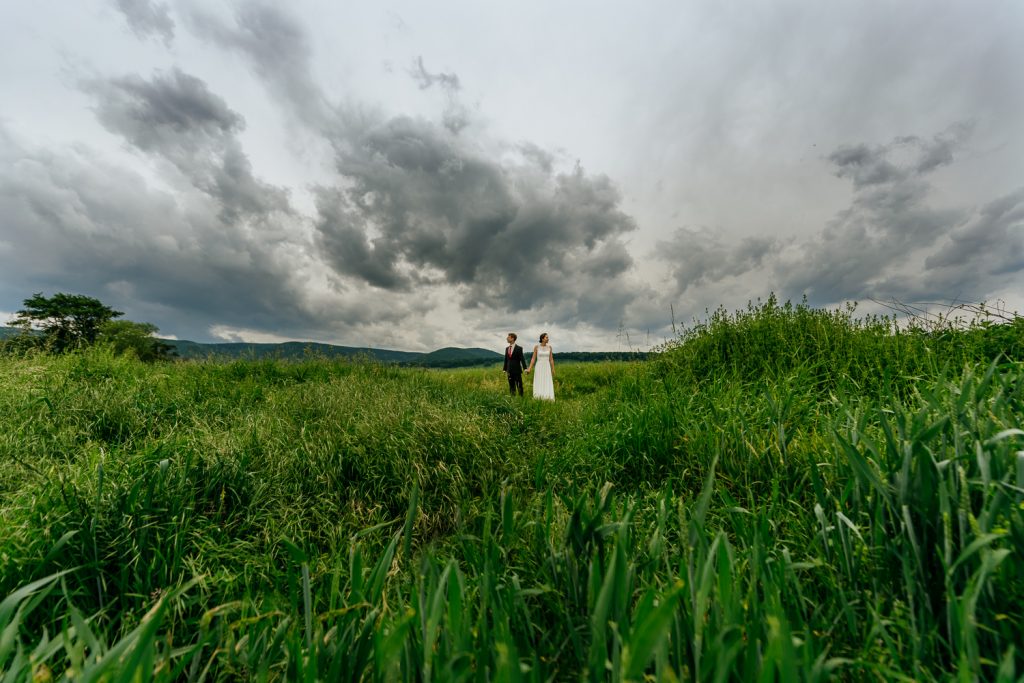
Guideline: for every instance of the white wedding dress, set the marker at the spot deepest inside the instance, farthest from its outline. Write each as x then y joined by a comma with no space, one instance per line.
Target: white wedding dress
543,383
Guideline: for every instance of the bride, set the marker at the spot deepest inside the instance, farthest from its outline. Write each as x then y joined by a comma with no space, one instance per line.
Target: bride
544,379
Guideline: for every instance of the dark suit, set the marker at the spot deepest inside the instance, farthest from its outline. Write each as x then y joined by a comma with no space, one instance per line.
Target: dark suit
514,366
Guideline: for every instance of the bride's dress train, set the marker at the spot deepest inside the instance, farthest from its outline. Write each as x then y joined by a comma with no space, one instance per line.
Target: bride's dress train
543,383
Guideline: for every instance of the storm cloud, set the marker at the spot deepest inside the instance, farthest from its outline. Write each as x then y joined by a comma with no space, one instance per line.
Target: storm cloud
700,257
891,242
424,209
277,48
869,249
982,252
176,117
386,175
221,248
418,203
86,225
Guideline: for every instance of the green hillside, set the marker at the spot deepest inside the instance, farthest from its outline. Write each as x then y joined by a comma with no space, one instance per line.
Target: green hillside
284,351
449,357
292,351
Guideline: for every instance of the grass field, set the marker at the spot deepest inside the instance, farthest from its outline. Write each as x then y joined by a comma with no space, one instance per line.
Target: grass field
781,494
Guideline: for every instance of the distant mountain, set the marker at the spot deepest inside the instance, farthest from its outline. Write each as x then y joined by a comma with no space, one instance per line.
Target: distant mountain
448,357
287,350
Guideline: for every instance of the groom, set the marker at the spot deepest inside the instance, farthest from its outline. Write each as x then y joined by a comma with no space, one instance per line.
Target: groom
514,365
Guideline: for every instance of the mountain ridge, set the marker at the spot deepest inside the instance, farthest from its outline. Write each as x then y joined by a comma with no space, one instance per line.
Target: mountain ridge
446,357
449,356
294,350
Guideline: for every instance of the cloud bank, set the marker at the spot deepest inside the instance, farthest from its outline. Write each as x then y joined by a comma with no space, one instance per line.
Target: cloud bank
420,203
891,242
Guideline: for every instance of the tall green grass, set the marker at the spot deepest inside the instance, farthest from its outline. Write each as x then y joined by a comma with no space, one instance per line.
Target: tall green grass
784,494
835,349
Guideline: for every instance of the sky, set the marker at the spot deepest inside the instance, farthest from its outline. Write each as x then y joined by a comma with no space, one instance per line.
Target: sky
411,175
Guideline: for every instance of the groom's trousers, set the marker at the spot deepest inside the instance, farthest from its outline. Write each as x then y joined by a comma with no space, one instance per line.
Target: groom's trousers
515,383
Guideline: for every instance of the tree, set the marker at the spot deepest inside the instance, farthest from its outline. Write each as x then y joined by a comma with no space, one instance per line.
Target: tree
126,336
66,321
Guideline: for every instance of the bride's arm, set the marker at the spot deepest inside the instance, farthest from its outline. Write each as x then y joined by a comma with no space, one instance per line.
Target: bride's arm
533,358
551,357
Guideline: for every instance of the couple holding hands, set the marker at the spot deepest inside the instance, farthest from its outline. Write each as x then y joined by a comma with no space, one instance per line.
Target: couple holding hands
543,358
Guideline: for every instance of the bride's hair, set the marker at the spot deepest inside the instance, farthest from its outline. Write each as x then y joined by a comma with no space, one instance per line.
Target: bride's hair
542,335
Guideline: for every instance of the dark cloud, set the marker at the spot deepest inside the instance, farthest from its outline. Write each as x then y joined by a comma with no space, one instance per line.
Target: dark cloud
343,239
148,19
865,250
418,204
420,208
173,107
76,223
83,225
416,208
175,117
866,165
939,151
431,218
987,248
277,48
890,243
700,257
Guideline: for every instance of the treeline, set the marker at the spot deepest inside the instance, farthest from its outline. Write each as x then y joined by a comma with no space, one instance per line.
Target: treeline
70,322
451,363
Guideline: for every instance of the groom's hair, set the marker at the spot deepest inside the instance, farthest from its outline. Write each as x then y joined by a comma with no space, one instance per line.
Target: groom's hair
513,335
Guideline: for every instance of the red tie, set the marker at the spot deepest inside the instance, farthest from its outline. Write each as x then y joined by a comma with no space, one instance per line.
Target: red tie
510,352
